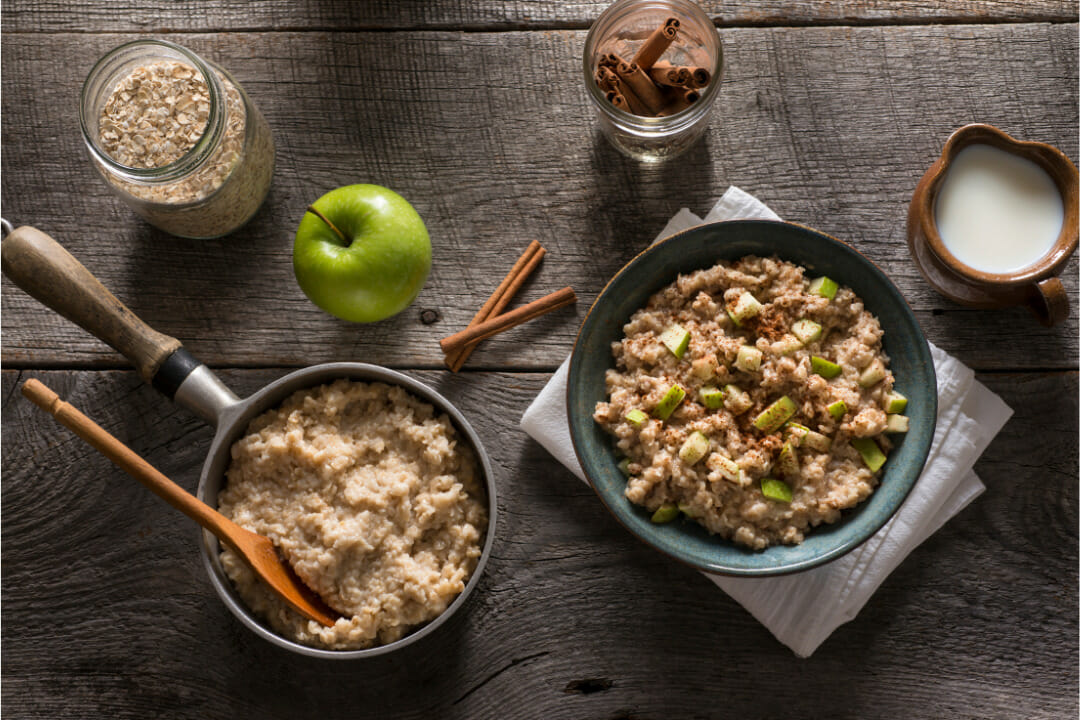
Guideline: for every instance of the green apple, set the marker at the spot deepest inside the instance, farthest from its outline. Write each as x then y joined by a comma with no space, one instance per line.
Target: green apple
361,253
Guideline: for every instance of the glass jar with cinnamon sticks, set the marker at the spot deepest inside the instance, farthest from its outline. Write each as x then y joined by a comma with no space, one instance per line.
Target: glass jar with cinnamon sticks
652,71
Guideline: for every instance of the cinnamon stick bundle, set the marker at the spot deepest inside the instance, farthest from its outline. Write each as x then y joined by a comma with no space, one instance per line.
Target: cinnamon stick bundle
495,325
499,299
648,86
656,44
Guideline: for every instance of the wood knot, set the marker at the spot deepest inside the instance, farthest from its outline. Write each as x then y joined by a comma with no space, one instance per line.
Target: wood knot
588,686
429,316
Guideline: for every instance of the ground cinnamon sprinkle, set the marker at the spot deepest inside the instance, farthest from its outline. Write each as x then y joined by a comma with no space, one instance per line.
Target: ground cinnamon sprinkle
769,323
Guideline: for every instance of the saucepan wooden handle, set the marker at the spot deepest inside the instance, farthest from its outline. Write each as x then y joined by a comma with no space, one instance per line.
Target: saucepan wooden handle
40,266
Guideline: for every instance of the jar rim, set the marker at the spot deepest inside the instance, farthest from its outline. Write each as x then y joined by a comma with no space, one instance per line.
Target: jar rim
687,116
191,160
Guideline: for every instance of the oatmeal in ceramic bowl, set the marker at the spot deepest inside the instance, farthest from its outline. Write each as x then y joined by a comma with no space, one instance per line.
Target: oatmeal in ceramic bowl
752,399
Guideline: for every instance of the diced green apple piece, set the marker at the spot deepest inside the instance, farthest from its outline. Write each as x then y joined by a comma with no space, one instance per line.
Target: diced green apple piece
837,409
624,466
775,415
872,375
748,359
824,286
789,460
636,417
896,424
795,433
728,468
736,400
746,307
817,442
825,368
676,339
686,509
806,330
665,514
695,448
895,403
704,368
669,402
802,436
712,398
870,451
775,489
787,345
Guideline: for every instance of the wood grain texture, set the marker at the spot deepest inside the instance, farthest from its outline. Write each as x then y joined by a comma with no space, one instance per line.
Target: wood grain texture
197,15
574,618
831,126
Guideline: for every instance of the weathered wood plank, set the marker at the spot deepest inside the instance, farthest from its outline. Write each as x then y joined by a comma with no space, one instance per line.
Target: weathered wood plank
165,16
106,610
831,126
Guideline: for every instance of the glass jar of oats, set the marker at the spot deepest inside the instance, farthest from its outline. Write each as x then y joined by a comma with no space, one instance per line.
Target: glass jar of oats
176,138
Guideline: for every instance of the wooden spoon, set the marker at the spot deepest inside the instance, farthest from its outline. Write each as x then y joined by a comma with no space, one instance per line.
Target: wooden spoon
258,551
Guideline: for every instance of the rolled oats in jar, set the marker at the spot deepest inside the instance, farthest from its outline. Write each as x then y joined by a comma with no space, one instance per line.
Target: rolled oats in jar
177,139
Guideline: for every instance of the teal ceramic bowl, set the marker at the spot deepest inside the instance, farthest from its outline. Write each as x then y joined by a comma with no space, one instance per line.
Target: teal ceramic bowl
702,247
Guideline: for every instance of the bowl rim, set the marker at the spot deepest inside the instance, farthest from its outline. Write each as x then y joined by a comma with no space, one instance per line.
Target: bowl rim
280,390
716,568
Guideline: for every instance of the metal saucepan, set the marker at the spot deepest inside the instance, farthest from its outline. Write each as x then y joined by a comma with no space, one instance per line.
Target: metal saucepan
40,266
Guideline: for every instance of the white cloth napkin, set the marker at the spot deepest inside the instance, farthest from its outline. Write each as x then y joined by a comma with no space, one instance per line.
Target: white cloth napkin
803,609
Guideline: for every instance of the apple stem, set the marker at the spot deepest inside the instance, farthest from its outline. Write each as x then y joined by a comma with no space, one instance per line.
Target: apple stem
311,209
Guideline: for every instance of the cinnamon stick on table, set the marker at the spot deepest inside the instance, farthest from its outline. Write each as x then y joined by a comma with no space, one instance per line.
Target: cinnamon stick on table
497,324
499,299
656,44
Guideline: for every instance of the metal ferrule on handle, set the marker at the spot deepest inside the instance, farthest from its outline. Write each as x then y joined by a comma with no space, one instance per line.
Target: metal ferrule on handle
40,266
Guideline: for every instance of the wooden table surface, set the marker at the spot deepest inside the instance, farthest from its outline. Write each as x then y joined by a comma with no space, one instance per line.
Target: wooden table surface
475,111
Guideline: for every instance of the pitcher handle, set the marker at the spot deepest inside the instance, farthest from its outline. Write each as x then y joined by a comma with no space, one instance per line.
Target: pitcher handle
1049,301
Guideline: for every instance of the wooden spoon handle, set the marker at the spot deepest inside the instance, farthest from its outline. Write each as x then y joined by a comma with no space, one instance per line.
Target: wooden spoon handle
127,459
40,266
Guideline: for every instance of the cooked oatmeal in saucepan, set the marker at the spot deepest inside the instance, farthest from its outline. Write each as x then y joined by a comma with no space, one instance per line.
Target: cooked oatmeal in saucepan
374,500
752,399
